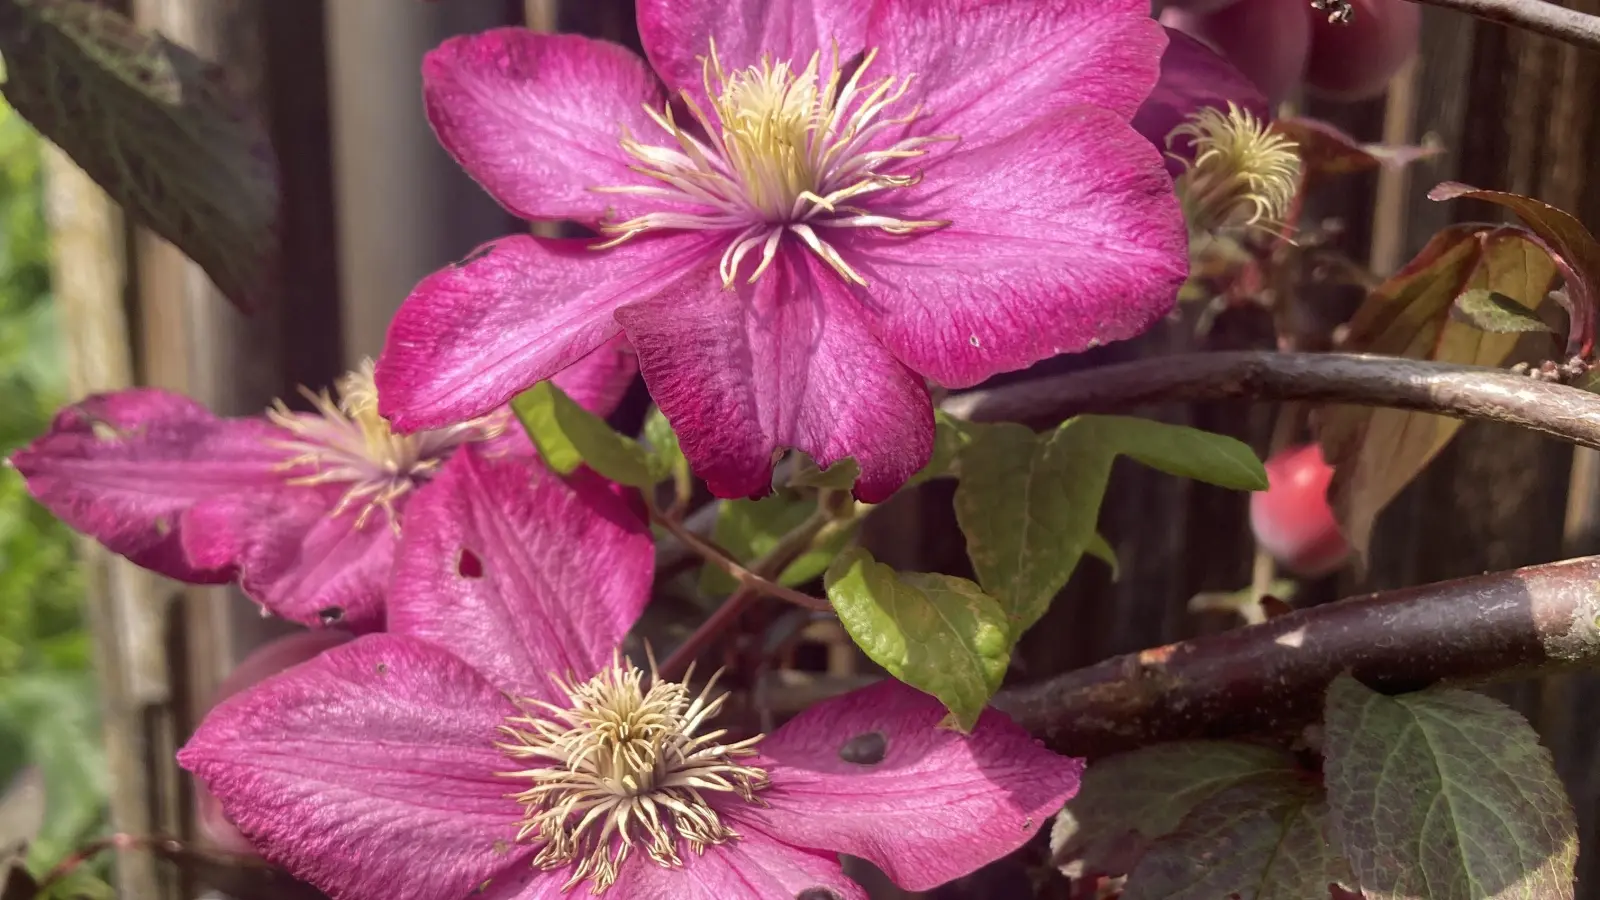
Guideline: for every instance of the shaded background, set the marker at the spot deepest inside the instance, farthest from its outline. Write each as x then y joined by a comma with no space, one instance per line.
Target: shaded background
372,204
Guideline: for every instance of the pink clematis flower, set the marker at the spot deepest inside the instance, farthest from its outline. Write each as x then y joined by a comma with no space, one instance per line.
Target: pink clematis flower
493,741
843,200
304,509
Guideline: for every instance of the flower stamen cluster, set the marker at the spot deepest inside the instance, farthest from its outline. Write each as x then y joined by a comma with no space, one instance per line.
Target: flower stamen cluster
625,764
780,151
347,442
1243,175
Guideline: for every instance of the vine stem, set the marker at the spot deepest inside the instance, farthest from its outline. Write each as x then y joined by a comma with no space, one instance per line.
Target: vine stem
769,566
1269,678
1540,17
754,580
1447,389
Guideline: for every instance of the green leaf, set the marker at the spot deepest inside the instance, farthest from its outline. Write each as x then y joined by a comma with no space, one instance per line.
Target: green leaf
1179,450
1028,503
568,435
1377,452
1128,800
1445,795
1101,549
841,476
1493,311
749,529
1262,839
665,455
157,127
949,436
939,634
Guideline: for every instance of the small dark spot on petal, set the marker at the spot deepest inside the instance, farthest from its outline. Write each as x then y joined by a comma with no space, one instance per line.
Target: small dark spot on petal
817,893
330,615
468,565
865,749
382,668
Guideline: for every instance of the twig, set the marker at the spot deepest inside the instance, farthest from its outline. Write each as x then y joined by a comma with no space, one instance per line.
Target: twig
1576,28
771,565
752,580
1269,678
1458,391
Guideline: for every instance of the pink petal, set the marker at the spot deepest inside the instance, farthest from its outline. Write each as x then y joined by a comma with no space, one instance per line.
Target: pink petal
516,311
678,33
367,771
754,867
986,68
787,362
122,467
537,119
295,557
937,806
522,574
1064,236
1193,76
598,381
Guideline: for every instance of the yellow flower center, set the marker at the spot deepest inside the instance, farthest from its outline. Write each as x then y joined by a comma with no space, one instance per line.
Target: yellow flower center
1243,175
348,442
780,152
624,764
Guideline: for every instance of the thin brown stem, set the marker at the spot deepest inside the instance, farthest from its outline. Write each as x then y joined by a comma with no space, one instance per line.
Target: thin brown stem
1549,19
771,565
1458,391
748,579
1269,678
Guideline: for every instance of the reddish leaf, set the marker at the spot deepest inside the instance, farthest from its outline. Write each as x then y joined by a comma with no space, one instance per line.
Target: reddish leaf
1377,452
156,127
1327,151
1573,248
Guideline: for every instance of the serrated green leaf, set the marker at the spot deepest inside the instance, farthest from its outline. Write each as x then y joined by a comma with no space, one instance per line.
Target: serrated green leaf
749,529
665,455
568,435
1128,800
1494,312
157,127
937,633
1262,839
1445,795
1179,450
841,476
1028,503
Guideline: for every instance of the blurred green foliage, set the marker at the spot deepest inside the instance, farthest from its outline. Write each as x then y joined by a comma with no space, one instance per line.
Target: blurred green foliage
48,715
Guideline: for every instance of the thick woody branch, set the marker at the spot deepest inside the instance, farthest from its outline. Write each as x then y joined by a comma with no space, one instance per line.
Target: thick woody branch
1461,392
1269,678
1549,19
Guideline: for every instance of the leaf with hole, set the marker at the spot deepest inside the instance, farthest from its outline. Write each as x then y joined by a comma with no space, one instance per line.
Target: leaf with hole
1377,452
157,127
939,634
568,436
1445,795
1130,799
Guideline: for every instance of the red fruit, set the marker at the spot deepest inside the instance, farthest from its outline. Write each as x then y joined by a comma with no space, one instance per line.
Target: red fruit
1267,40
269,659
1291,518
1355,61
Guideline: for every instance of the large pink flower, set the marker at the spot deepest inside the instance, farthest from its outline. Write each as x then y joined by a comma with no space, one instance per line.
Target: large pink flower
491,740
807,233
303,509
